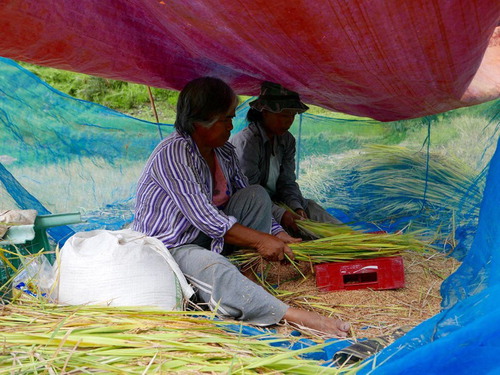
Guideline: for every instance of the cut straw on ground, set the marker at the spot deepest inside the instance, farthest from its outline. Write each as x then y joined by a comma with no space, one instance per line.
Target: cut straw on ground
40,337
372,313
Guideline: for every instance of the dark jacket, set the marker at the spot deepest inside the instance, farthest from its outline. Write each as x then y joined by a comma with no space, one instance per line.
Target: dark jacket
253,149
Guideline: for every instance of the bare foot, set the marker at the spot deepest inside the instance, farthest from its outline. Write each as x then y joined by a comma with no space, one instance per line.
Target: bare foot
313,320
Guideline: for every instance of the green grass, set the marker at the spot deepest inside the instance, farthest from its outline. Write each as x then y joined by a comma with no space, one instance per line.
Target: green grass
469,135
129,98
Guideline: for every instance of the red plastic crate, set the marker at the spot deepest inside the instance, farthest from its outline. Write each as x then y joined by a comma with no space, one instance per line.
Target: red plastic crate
377,273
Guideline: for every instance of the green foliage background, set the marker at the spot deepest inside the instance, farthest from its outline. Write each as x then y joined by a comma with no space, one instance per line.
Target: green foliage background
129,98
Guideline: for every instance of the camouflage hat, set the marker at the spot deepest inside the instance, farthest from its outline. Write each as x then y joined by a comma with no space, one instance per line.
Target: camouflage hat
275,98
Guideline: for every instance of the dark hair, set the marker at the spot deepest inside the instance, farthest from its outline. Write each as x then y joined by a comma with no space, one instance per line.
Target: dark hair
254,116
202,101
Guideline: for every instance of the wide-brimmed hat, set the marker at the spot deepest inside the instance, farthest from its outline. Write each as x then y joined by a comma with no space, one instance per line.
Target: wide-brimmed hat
275,98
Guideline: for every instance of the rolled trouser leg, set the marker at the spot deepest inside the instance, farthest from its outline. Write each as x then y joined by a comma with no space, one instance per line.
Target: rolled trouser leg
220,285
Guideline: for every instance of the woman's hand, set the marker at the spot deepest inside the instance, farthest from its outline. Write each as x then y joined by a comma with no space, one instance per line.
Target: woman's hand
274,249
288,221
270,247
286,238
301,213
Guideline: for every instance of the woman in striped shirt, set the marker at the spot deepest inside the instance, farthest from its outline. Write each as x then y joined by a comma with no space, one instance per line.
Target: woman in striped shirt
193,196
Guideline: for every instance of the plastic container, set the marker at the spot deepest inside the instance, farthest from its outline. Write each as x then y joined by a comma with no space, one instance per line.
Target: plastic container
376,273
24,246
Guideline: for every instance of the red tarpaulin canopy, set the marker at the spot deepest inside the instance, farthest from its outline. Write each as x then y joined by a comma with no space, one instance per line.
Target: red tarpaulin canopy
385,59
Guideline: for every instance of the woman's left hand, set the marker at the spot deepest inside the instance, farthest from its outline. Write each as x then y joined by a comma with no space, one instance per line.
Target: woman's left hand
286,238
301,213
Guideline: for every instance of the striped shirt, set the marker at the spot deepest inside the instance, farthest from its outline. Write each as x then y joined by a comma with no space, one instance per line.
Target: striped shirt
174,194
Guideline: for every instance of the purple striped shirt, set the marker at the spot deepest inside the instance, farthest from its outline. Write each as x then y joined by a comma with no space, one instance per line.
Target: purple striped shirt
174,194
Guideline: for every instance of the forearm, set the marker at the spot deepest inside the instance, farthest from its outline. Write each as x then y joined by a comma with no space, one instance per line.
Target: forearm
270,247
242,236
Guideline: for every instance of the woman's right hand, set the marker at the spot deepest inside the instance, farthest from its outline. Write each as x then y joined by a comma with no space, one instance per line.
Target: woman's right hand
273,249
286,238
268,246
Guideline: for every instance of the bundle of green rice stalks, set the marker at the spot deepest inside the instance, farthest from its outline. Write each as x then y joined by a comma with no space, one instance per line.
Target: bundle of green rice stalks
392,180
45,338
341,243
433,191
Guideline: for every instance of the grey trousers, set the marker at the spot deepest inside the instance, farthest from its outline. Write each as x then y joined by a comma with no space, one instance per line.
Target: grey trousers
219,283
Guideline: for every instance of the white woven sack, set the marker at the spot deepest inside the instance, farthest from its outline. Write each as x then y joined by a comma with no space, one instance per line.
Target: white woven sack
120,268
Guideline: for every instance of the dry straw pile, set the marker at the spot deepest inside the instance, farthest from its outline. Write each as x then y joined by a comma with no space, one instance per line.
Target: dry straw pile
40,338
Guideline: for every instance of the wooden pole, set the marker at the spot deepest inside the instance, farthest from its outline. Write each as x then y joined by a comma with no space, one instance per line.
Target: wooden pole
151,99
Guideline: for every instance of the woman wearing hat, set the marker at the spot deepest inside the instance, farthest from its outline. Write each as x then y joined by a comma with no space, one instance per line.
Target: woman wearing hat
193,197
266,152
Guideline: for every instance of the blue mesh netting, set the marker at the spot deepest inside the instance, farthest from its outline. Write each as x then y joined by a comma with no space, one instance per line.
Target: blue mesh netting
71,154
59,154
463,338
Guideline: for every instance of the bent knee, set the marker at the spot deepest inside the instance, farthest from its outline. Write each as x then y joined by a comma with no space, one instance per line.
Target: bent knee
258,192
